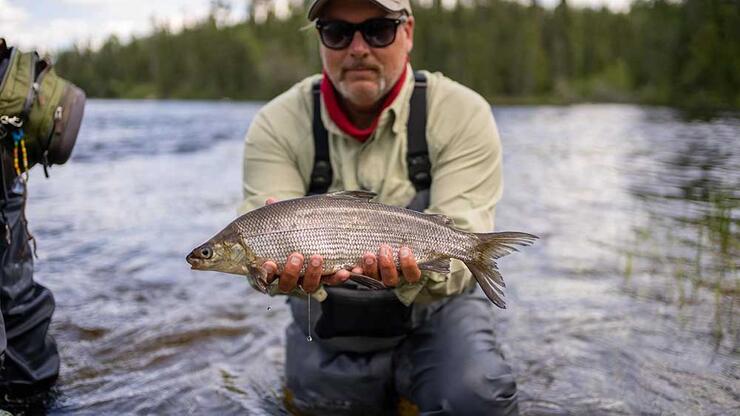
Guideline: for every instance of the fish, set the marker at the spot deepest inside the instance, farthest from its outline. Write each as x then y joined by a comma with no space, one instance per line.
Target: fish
342,226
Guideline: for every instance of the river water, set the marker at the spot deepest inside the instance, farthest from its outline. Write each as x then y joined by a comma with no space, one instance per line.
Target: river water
627,305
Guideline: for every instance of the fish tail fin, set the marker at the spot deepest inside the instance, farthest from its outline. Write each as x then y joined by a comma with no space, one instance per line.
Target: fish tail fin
488,248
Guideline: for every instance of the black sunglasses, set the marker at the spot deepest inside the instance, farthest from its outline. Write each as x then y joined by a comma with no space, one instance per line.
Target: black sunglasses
378,33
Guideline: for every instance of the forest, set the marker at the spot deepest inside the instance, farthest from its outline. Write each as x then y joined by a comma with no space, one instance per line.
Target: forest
678,53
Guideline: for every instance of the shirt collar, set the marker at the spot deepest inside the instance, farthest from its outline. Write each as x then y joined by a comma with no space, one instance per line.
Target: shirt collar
393,110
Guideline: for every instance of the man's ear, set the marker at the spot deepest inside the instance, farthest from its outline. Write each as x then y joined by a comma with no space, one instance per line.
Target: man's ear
408,27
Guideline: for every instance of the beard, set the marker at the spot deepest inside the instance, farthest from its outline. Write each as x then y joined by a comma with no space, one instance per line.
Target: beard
363,94
364,89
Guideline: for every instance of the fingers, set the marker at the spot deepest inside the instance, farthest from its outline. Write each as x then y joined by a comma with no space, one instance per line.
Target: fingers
313,273
337,278
270,268
370,265
381,267
409,268
388,271
271,200
289,277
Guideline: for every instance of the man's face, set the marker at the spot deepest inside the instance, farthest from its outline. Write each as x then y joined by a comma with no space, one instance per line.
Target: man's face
363,74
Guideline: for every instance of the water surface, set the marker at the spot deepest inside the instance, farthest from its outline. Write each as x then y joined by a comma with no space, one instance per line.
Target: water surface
627,304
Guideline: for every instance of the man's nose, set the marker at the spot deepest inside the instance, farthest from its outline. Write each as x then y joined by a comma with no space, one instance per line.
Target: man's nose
358,47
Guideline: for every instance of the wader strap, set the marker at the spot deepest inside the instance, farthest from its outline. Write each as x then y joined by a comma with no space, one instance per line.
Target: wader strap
322,175
417,154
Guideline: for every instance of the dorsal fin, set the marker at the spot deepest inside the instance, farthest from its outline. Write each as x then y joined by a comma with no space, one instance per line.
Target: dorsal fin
358,195
441,219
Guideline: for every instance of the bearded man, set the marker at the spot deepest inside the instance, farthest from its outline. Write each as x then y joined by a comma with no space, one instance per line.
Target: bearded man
417,140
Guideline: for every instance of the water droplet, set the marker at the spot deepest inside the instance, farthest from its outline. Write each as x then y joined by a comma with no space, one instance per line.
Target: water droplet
269,307
309,339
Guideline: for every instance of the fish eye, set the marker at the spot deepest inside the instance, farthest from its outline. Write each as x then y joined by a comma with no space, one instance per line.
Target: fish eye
206,252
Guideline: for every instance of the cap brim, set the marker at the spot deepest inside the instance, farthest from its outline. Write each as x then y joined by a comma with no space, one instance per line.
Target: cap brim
313,12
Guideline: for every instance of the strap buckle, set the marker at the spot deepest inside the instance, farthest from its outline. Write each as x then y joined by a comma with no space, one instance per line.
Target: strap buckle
420,171
321,174
14,121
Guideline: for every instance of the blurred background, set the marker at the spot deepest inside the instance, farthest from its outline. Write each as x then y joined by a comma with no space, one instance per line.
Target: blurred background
682,53
621,132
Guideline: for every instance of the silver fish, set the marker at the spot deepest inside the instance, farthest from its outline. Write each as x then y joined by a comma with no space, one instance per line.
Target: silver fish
341,227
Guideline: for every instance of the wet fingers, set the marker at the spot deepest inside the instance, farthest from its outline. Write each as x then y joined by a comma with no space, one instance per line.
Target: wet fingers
409,267
337,278
270,269
313,274
370,266
289,277
387,266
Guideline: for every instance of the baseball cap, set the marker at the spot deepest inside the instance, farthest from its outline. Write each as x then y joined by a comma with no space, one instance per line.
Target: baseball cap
389,5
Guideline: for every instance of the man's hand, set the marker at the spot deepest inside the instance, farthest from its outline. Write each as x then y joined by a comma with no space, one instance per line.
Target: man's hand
380,267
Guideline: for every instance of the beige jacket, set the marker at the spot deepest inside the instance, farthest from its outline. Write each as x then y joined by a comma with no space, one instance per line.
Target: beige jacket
464,150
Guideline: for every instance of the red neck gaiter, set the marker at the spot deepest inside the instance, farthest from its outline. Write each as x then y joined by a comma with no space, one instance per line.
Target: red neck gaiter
338,115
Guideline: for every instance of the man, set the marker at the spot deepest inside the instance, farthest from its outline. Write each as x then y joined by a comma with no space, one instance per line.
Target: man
429,341
29,360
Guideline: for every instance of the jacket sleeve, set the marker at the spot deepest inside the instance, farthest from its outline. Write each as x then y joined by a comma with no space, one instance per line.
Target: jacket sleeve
270,166
467,183
271,169
467,180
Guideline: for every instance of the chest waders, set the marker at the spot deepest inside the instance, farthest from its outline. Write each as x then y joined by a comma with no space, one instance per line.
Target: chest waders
346,312
30,362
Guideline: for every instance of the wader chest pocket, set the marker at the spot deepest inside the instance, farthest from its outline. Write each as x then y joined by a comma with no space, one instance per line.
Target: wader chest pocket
352,312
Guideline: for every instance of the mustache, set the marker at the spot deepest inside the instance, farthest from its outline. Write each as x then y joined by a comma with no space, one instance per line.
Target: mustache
361,65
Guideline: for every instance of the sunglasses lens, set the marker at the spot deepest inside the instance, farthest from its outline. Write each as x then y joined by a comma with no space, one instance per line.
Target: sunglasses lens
379,33
336,35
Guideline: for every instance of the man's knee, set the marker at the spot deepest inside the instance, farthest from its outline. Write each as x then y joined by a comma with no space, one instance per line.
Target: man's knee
484,391
478,390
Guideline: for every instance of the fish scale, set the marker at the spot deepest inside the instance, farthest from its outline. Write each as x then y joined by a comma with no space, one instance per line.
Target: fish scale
341,227
355,227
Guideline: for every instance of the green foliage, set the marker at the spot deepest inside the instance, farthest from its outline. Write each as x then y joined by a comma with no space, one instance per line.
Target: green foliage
684,53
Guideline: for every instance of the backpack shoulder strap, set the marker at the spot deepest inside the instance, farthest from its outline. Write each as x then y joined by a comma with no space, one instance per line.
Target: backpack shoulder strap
322,175
417,153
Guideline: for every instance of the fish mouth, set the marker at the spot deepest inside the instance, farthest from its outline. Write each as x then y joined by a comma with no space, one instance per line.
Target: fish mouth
195,263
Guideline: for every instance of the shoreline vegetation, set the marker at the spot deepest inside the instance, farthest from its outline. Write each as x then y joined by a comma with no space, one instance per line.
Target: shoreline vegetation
682,54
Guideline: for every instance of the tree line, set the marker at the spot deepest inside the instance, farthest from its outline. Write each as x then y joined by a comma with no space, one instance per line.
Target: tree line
681,53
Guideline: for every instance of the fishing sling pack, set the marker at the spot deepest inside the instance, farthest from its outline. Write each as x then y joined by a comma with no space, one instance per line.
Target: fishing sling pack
40,116
40,112
352,312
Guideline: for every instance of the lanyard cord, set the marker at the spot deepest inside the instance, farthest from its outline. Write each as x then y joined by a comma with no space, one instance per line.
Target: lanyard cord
23,178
